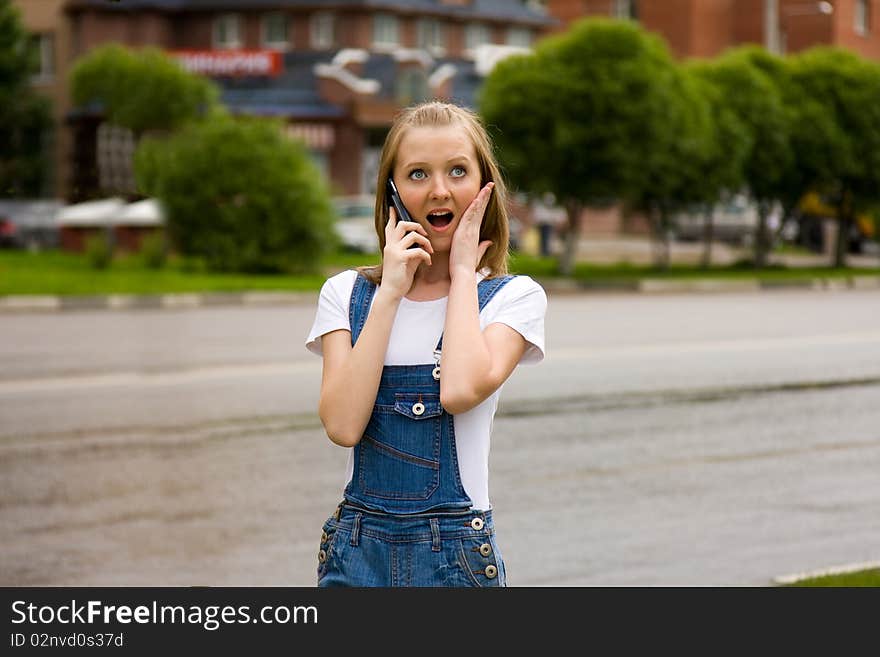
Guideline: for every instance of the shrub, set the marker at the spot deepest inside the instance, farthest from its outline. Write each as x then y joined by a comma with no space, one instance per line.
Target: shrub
98,251
240,195
154,251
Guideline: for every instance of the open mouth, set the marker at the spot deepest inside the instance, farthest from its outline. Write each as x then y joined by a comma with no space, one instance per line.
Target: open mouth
440,220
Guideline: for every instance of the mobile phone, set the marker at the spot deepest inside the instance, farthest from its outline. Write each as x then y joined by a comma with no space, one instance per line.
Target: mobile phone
399,207
394,199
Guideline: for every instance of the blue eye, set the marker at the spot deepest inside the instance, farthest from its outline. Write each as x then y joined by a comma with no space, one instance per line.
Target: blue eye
417,174
458,172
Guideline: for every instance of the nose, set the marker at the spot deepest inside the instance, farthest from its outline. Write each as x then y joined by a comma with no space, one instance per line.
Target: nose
439,189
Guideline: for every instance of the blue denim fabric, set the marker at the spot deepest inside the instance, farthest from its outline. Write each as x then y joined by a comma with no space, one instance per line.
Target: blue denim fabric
363,548
406,461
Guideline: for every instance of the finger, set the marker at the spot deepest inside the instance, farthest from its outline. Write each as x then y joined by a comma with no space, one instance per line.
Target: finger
477,207
391,223
404,227
415,238
417,254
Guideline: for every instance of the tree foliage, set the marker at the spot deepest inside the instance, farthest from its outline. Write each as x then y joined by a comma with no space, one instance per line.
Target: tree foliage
239,194
722,170
583,114
25,116
758,104
839,133
141,90
675,174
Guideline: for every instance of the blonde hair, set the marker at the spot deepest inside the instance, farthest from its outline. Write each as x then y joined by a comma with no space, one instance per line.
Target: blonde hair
495,226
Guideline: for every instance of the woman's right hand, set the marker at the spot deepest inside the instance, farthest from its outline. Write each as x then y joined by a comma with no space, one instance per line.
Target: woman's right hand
399,260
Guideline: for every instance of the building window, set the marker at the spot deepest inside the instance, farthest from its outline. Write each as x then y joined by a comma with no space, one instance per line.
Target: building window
275,31
429,36
115,154
227,32
627,9
323,30
475,35
385,30
412,86
862,19
519,36
539,6
44,54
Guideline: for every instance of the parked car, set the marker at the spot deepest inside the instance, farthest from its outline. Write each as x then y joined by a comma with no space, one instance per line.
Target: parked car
355,223
28,224
734,222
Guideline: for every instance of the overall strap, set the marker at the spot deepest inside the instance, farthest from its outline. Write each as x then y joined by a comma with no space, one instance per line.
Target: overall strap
363,291
486,289
359,305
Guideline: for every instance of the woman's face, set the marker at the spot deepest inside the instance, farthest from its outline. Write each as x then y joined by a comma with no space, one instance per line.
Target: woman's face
437,174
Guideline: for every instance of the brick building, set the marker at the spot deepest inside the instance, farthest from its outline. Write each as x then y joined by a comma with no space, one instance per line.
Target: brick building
705,28
335,70
44,19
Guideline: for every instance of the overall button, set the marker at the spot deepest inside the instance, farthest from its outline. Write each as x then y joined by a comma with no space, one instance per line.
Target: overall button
477,523
485,549
322,556
491,571
418,408
436,373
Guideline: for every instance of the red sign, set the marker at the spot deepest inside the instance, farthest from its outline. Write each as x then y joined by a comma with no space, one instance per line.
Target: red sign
222,63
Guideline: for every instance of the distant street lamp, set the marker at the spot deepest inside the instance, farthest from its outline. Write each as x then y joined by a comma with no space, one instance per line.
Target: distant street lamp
799,9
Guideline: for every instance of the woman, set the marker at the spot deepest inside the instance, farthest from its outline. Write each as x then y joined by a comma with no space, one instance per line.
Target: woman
415,352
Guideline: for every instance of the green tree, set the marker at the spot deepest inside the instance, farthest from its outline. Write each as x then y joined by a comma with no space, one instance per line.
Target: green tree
581,115
145,90
758,105
240,195
809,126
676,173
841,132
25,116
726,152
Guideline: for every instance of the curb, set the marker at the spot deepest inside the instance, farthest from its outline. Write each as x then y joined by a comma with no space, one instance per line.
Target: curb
35,303
709,285
30,303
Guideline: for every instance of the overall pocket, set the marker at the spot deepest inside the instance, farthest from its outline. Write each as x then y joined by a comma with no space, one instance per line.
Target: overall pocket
400,450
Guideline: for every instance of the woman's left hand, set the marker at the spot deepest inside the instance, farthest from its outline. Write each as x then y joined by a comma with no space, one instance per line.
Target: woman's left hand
467,250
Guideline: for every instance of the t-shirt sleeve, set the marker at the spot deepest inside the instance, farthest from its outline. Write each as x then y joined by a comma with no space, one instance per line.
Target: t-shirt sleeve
522,304
332,313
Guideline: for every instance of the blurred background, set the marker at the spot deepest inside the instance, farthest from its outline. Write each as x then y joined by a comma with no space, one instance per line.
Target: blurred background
696,183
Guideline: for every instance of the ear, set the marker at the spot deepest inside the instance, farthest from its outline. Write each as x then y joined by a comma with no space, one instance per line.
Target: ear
483,247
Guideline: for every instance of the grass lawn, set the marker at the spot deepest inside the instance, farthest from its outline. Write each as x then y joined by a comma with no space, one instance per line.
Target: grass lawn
870,577
60,273
587,273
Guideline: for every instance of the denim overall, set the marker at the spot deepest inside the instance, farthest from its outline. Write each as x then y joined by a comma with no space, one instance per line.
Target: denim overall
406,490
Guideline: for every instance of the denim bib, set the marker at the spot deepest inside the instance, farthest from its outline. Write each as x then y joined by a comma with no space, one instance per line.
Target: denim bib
406,460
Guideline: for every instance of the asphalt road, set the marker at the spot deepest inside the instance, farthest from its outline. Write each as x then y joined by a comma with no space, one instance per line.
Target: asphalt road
666,440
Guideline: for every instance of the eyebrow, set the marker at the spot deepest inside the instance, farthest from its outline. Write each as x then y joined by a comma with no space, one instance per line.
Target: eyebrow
456,158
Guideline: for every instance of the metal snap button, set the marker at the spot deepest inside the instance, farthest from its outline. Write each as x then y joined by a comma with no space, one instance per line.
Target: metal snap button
491,571
418,408
477,523
323,537
436,373
485,549
322,556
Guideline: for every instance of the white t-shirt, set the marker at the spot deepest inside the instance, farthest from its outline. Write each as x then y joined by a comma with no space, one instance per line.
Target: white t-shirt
520,304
